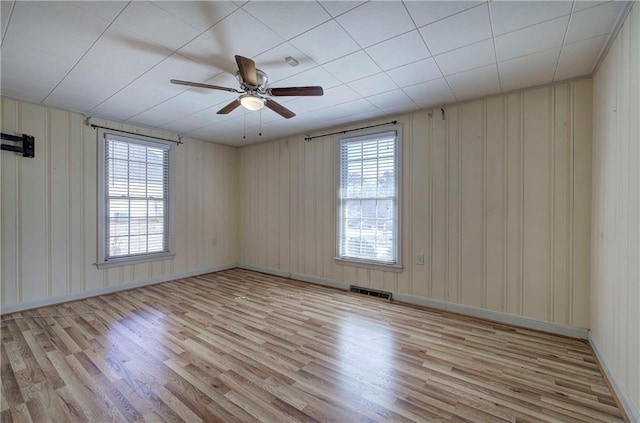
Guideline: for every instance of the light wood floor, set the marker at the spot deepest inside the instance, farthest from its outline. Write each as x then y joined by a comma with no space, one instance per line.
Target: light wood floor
243,346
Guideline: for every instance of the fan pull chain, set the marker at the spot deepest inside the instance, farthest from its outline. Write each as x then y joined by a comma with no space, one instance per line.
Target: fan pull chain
244,127
260,133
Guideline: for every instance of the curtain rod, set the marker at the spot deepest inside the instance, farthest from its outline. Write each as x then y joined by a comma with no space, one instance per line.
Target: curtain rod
94,126
309,138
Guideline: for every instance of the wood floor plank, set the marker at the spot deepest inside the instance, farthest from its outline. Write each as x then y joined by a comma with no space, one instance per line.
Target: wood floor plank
241,346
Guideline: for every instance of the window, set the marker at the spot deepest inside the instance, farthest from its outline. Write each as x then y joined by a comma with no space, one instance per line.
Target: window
135,201
368,202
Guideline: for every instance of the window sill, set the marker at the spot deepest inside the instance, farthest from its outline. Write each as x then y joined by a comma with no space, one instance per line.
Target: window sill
129,261
369,264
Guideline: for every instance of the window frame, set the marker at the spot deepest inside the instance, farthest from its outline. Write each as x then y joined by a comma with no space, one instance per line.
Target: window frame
363,135
103,261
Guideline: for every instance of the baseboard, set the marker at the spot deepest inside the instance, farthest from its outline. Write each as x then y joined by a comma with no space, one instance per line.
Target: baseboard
574,332
297,276
497,316
632,413
12,308
263,269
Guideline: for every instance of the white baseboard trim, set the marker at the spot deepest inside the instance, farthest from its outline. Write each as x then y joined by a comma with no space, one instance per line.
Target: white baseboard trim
574,332
297,276
263,269
629,409
511,319
12,308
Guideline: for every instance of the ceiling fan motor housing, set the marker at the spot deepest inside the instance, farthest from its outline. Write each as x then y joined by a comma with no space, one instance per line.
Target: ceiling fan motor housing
262,78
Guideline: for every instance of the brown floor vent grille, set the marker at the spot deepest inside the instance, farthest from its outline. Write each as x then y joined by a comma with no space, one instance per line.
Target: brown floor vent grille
370,292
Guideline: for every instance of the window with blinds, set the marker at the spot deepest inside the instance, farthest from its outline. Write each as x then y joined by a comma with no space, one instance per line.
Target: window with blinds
368,199
134,209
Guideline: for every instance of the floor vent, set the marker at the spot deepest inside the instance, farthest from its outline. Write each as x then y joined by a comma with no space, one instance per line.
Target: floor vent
371,292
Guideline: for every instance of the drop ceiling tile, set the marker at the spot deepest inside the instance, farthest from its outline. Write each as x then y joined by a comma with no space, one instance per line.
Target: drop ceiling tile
390,99
330,114
315,76
376,21
58,35
354,66
353,107
530,40
459,30
197,120
594,21
431,93
399,109
325,43
580,5
374,84
331,97
108,10
5,12
475,83
288,18
218,45
507,16
154,87
398,51
338,7
413,73
579,58
274,64
426,12
529,71
97,77
468,57
199,14
27,79
155,24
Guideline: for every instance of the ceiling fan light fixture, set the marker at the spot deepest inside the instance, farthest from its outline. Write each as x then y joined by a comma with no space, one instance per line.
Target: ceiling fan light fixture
251,102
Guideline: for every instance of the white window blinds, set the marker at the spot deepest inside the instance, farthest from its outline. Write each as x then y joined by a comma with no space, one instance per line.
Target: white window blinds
368,198
136,194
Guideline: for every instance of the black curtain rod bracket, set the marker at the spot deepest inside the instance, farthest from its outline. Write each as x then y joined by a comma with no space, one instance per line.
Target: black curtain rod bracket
87,122
27,145
309,138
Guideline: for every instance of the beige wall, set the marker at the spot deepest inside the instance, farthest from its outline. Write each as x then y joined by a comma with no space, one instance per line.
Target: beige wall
48,207
497,197
615,258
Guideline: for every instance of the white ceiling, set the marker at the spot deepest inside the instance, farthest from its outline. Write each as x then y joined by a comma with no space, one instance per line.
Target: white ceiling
114,59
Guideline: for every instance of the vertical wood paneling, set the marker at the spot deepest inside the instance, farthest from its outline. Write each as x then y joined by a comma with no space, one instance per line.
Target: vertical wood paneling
494,196
615,231
537,176
33,229
406,163
419,205
454,209
581,217
513,285
561,209
487,197
471,206
48,225
11,216
495,205
438,177
283,205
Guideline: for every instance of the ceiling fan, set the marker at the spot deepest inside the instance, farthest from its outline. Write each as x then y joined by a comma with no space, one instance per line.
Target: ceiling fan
254,92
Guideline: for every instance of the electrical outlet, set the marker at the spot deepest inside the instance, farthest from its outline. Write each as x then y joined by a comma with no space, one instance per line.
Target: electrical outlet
420,259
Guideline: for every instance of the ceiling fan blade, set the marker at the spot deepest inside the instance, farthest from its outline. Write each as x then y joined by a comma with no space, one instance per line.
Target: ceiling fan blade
247,68
229,107
199,85
279,108
296,91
